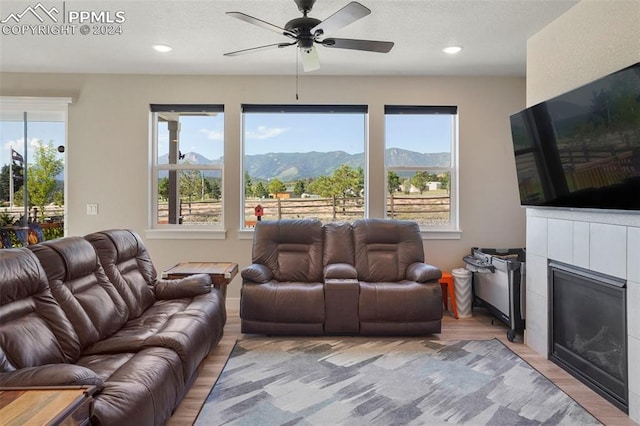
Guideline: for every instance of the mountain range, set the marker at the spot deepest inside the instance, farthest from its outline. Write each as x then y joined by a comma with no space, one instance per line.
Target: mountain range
290,166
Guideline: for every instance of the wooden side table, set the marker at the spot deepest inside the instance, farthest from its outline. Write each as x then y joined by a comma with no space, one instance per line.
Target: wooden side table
446,284
221,273
46,405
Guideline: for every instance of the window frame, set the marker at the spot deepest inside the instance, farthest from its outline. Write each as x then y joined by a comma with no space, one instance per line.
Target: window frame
178,230
57,105
452,231
298,109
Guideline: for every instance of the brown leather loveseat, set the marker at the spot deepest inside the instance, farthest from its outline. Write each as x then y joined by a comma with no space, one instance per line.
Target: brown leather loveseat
366,278
90,311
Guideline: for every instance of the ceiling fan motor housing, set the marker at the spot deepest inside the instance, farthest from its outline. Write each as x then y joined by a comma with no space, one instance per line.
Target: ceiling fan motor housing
302,28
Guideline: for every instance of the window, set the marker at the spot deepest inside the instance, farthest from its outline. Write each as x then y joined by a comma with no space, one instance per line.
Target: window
39,200
303,161
420,161
188,148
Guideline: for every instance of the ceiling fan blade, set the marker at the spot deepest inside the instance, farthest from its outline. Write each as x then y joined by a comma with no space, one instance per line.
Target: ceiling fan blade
367,45
310,61
260,23
343,17
259,48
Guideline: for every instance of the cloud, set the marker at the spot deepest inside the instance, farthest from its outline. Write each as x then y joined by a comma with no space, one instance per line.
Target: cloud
18,144
214,135
264,132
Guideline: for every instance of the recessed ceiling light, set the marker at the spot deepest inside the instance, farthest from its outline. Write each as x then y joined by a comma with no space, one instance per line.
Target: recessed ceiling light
452,50
162,48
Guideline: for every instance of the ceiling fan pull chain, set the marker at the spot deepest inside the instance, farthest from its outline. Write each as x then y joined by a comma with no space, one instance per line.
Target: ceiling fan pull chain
297,67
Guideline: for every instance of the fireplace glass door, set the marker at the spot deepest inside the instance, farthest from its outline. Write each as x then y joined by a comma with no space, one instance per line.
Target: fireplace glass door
588,329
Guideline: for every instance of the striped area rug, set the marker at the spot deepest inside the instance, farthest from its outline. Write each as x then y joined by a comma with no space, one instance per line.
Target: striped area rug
365,381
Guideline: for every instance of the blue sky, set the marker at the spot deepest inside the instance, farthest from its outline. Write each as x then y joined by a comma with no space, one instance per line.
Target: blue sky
266,132
12,134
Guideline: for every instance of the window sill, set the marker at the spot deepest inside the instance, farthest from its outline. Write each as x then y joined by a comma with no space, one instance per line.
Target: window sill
245,234
186,234
432,234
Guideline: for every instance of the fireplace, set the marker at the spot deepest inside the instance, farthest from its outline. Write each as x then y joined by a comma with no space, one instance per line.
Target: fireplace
588,329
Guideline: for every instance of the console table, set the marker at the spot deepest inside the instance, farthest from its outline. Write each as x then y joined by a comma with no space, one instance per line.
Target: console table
46,405
221,273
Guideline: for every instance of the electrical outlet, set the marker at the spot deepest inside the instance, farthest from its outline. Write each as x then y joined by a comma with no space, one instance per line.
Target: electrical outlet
92,209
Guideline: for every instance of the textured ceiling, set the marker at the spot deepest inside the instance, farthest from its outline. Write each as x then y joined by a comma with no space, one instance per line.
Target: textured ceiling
493,33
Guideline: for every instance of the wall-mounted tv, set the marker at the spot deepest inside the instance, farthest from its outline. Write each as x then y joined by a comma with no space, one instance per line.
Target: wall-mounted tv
582,149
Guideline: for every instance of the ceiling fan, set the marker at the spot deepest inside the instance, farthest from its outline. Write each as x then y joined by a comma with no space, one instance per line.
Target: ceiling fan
306,32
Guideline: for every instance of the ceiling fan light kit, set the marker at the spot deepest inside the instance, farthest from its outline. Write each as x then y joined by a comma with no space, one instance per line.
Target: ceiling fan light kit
306,32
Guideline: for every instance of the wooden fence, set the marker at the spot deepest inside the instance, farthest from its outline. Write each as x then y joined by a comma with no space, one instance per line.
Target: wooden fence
425,209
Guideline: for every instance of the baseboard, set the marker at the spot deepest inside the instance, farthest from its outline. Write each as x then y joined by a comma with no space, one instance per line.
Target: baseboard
233,303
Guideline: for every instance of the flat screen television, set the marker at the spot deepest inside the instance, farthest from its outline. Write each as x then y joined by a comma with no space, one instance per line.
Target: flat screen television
582,149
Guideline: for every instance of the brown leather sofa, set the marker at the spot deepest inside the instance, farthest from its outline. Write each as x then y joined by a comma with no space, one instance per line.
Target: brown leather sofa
78,311
364,278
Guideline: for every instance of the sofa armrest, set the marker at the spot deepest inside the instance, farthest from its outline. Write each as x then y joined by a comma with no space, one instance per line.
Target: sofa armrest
190,286
51,375
422,272
256,273
340,271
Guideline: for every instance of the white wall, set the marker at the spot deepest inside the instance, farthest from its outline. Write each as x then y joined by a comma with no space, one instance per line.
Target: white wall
592,39
108,149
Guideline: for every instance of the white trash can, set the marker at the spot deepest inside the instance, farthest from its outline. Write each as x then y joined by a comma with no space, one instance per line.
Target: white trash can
462,286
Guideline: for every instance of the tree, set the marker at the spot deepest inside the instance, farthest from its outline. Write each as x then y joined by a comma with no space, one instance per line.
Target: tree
248,185
260,191
216,192
41,176
276,186
323,186
347,181
190,184
393,182
300,188
445,179
163,188
421,181
4,180
344,182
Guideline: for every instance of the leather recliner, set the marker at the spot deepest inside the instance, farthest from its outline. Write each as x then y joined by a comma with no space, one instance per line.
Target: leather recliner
366,278
65,322
282,291
399,293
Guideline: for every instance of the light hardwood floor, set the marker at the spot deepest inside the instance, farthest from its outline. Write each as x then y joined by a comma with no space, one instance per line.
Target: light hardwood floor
477,327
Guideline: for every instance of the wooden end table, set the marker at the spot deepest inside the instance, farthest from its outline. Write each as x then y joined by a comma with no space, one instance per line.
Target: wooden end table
221,273
46,405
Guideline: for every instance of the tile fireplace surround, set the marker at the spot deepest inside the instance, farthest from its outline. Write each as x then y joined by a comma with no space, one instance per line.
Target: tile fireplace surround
608,243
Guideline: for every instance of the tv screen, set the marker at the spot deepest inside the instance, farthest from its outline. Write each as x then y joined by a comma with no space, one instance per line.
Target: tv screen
582,149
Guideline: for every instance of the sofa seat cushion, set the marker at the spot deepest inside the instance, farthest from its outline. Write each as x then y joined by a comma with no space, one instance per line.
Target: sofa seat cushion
191,327
140,388
402,301
283,302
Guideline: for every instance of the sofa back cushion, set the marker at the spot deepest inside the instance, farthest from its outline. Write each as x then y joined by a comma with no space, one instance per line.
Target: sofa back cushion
33,327
385,248
338,243
291,248
81,287
128,265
